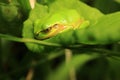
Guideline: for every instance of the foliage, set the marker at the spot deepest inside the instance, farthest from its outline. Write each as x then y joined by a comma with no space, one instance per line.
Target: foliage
91,53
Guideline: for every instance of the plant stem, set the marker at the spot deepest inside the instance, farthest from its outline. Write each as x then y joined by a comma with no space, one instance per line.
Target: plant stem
68,56
13,38
30,73
32,3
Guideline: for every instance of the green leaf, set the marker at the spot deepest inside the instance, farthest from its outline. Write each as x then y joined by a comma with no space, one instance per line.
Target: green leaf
78,61
94,70
114,63
9,12
117,1
4,1
111,6
25,4
105,31
10,19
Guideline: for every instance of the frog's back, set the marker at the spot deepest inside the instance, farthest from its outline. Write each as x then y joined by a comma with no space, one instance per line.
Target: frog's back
68,15
65,16
71,15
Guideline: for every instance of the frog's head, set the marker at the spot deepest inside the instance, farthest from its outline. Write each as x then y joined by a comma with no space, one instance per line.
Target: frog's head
49,27
54,24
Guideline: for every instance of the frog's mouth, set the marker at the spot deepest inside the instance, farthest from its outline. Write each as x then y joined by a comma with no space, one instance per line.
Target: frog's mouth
50,32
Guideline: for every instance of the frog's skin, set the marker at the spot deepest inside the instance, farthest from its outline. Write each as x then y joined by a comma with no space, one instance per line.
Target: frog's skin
58,22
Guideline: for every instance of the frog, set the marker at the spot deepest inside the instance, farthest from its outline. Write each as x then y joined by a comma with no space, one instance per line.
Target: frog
58,22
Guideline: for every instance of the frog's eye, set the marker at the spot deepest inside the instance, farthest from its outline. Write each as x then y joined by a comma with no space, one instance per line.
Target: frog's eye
55,26
49,29
49,32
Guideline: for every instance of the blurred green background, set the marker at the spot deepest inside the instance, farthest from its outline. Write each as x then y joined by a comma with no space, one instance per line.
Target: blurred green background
19,63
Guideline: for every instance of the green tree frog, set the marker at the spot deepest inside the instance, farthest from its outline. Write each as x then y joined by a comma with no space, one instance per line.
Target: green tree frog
58,22
55,27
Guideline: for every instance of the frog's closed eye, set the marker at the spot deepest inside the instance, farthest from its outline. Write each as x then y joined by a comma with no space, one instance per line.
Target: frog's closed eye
49,32
46,30
55,26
